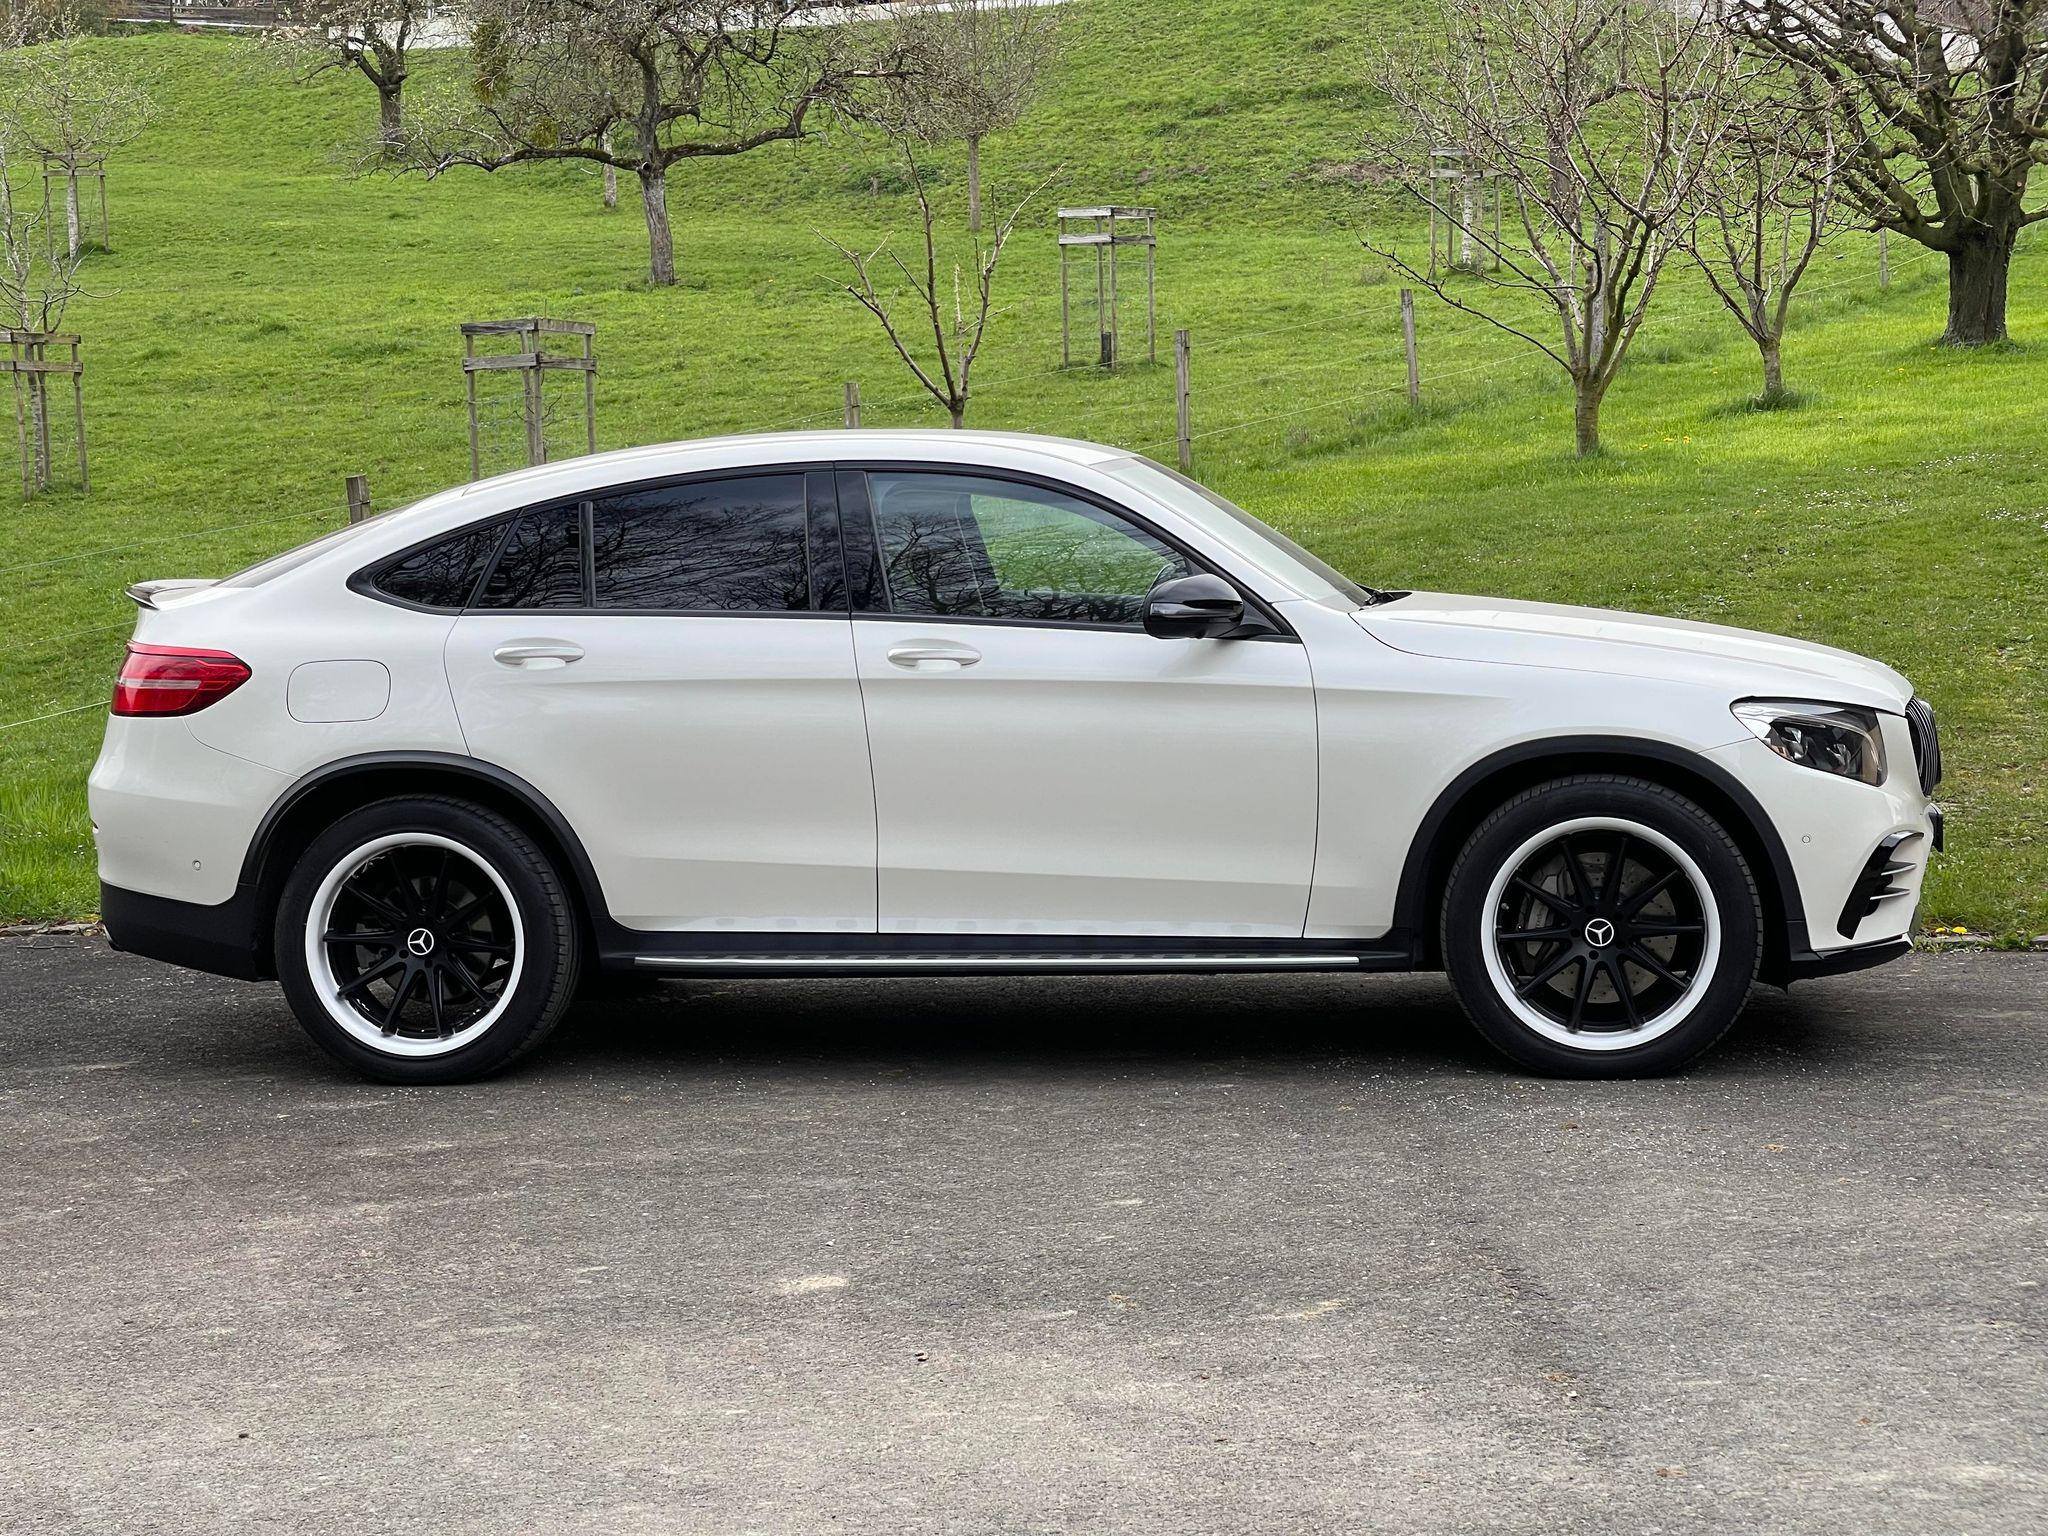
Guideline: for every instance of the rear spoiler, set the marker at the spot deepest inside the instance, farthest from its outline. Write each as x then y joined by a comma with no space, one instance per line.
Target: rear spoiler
146,593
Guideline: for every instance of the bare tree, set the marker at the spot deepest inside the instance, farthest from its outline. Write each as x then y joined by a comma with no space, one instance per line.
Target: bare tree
976,65
1942,115
371,37
31,21
70,104
38,279
956,341
642,85
1600,118
1766,207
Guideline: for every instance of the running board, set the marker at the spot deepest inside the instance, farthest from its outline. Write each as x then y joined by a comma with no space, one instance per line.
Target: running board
913,963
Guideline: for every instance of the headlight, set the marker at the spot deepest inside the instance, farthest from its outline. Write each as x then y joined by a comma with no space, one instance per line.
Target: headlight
1835,738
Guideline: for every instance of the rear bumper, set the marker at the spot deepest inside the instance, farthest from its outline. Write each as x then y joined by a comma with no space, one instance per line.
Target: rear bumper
223,939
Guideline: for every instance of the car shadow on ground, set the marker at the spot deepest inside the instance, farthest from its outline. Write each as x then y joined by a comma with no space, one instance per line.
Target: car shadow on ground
1079,1022
67,991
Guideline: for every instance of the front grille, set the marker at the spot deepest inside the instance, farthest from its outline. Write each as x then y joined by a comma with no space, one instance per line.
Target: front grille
1926,742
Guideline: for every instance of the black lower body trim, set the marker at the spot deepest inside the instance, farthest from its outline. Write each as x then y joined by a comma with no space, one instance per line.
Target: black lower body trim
1806,965
224,939
904,954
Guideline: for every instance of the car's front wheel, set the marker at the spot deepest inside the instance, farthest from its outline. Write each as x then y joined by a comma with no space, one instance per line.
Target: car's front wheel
1601,926
426,941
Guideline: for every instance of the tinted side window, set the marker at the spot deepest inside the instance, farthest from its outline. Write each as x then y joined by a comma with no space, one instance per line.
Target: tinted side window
542,564
442,575
961,544
725,545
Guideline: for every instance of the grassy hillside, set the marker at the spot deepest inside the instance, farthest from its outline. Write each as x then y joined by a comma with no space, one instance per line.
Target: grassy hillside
266,325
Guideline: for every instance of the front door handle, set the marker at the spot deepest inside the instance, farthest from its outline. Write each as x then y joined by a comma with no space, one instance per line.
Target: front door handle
932,655
538,655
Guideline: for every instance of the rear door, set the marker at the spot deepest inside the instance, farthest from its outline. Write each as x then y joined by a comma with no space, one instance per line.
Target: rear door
672,665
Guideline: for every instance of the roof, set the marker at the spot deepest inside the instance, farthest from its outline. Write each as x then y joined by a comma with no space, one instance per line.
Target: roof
835,443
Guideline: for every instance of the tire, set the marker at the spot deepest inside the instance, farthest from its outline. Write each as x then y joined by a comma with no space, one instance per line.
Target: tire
1571,974
469,942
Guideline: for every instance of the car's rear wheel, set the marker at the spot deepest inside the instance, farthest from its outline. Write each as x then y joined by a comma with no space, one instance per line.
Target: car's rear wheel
1601,926
426,941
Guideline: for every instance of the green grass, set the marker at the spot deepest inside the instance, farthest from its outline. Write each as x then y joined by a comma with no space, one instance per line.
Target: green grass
265,325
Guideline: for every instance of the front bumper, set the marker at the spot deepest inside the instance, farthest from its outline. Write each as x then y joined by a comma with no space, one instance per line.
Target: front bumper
1805,965
1831,829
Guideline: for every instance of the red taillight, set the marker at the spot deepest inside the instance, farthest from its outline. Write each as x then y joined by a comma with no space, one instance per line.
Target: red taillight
174,680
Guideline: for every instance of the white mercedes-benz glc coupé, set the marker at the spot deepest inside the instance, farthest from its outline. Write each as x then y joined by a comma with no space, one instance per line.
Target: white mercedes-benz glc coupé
917,702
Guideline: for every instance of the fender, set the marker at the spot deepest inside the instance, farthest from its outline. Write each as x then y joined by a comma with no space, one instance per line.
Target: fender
1412,899
589,889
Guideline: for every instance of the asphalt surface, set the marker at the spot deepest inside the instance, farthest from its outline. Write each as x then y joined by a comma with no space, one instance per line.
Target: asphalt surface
1267,1255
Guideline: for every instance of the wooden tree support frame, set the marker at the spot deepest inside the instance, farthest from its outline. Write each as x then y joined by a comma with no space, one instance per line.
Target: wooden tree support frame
66,172
534,362
1476,192
31,367
1106,230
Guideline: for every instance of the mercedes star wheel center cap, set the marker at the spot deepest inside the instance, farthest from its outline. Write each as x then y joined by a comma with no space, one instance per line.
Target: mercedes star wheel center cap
1599,933
420,942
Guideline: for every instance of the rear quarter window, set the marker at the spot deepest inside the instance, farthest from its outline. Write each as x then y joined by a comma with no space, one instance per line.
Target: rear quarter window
443,574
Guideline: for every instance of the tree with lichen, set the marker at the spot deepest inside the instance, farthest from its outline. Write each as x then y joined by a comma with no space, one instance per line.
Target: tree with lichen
371,38
644,86
1941,115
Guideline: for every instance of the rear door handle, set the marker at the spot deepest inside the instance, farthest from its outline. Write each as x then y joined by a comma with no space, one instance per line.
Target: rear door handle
932,655
537,654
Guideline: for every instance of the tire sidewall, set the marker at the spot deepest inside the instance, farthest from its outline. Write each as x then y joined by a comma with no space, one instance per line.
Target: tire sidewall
548,969
1468,925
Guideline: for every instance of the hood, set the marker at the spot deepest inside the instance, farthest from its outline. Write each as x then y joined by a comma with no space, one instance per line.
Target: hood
1741,661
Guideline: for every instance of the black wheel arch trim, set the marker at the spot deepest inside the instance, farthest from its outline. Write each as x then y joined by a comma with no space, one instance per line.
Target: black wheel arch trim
589,889
1427,856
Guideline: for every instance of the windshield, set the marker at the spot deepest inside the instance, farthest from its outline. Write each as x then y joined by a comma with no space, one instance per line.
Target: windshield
1138,470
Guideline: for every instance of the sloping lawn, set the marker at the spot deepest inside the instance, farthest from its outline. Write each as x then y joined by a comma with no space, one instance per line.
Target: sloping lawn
266,325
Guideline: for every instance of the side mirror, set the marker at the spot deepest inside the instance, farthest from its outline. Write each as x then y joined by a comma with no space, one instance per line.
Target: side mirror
1199,607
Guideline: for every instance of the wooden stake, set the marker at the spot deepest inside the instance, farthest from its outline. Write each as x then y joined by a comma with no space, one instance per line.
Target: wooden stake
1183,436
78,417
1408,345
358,497
1884,261
853,402
469,381
536,436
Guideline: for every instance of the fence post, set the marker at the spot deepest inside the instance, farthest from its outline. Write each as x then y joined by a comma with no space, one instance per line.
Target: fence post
358,497
1408,345
1183,438
1884,260
853,402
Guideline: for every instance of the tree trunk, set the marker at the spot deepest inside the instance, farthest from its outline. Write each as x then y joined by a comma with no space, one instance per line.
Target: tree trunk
39,427
661,251
1774,372
1586,415
1976,287
959,410
974,183
389,101
611,188
71,210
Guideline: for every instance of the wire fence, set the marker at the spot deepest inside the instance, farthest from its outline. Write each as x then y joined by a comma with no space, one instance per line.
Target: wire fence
1697,306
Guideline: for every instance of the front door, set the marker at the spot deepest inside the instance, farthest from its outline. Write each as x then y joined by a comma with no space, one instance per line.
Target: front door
1042,766
674,671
